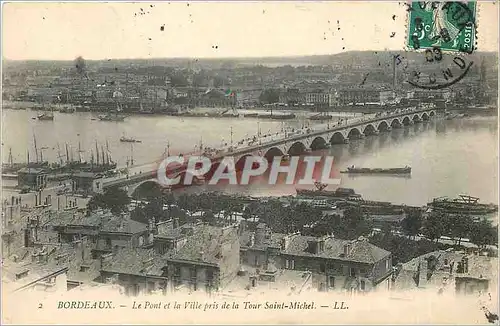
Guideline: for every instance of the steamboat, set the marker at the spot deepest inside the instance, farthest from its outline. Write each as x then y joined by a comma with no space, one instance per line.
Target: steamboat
353,169
339,193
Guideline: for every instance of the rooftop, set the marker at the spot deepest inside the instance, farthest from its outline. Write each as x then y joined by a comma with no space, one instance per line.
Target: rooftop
204,245
135,261
361,250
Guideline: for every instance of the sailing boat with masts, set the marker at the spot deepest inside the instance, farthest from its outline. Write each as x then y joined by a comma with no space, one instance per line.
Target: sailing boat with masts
113,117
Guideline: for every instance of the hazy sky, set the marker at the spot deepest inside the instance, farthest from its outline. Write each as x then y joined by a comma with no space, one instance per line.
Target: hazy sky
223,29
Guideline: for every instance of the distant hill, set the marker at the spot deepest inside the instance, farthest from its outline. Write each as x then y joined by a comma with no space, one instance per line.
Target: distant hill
365,58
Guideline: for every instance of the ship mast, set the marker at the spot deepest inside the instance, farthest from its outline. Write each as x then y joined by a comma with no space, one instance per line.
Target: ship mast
36,149
79,152
97,152
131,154
103,158
108,154
59,156
67,154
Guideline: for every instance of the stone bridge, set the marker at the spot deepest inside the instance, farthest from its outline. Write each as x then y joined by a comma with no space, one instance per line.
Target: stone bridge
293,142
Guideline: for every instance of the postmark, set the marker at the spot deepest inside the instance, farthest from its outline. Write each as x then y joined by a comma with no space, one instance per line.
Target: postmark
450,26
446,70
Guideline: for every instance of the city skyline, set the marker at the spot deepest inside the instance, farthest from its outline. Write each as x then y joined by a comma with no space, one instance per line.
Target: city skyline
55,31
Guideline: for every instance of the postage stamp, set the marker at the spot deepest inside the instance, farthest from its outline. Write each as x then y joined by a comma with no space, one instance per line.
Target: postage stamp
451,26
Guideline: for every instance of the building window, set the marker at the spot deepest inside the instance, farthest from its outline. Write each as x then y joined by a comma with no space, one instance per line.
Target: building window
141,241
108,242
322,268
387,264
363,285
352,272
331,281
84,268
210,274
289,264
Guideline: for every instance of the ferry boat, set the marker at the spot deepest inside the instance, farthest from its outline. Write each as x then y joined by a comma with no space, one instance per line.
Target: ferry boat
353,169
68,109
124,139
464,204
46,116
340,193
321,117
110,117
113,117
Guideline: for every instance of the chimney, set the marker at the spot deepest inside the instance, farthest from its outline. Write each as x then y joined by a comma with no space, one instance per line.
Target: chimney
422,275
252,239
347,249
466,264
284,243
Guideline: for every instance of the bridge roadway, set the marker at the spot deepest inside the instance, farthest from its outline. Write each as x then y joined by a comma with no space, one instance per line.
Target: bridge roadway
137,174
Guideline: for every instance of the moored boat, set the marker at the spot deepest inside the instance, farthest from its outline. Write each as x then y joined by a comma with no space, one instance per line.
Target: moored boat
353,169
46,116
129,140
464,204
111,117
340,193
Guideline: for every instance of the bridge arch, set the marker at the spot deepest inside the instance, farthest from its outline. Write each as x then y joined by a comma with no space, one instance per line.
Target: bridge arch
272,152
297,148
337,138
369,129
425,116
416,118
432,113
354,133
318,143
146,190
406,120
383,126
396,123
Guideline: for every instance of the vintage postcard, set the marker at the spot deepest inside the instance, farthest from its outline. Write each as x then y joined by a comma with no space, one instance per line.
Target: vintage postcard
274,162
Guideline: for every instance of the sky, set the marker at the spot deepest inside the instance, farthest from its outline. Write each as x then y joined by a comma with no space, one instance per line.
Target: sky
64,31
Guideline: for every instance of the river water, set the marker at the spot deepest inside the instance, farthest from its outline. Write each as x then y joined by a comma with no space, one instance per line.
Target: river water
448,157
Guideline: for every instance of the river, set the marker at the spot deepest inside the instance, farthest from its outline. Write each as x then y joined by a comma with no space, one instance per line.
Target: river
448,157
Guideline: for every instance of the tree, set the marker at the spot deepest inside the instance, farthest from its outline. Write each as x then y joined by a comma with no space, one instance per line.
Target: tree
269,96
460,226
483,233
435,225
412,223
114,199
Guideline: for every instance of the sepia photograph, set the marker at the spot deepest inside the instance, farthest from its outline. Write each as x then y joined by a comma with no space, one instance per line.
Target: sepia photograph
249,162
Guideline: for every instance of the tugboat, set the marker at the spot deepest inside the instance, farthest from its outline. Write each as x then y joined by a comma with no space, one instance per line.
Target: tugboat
463,205
113,117
46,116
124,139
353,169
339,193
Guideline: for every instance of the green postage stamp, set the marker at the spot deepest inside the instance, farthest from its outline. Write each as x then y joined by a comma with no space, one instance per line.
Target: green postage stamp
450,26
